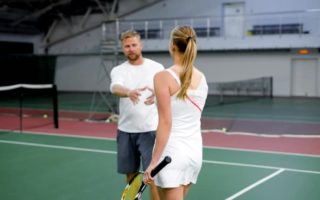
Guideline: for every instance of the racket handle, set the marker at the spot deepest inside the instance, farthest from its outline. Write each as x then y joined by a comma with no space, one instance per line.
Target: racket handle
154,172
161,165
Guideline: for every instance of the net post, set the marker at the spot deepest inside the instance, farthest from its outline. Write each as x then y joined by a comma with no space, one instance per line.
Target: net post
221,97
20,108
55,106
271,87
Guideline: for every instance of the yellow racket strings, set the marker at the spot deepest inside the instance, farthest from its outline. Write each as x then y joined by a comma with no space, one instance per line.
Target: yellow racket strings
131,190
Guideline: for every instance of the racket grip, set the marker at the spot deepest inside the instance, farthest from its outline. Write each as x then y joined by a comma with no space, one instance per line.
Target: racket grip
161,165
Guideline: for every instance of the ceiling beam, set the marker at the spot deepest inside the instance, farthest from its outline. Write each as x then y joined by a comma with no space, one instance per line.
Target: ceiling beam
40,12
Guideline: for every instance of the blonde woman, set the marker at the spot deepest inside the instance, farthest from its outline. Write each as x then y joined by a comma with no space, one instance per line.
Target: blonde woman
181,92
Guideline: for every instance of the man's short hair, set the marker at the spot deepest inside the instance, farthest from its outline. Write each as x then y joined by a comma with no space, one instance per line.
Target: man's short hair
129,33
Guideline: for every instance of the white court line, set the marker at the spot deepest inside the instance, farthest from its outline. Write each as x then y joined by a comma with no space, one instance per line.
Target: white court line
61,135
260,166
260,134
255,184
114,152
58,147
262,151
32,86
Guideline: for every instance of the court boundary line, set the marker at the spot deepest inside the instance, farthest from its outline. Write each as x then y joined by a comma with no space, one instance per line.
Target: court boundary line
114,152
260,166
232,117
58,147
59,135
208,131
262,151
248,188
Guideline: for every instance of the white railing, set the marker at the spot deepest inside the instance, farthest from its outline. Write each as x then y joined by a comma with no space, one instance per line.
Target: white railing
301,23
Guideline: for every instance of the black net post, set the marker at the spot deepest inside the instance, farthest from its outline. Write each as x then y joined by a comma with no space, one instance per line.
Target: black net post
55,106
271,87
20,108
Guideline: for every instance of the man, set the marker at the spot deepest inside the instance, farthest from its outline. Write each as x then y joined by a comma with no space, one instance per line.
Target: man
132,81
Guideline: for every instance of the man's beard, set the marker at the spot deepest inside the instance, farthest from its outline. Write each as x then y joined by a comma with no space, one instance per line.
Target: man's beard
133,57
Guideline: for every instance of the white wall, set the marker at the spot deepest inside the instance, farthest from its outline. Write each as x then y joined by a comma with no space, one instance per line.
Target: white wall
78,73
88,42
226,66
85,73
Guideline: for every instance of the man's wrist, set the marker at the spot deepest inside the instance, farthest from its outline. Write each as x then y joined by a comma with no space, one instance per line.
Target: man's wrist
128,93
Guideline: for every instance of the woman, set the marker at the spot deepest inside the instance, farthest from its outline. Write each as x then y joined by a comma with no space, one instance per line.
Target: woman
181,92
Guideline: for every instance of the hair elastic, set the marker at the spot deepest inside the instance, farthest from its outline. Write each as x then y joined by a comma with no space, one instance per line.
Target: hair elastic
189,38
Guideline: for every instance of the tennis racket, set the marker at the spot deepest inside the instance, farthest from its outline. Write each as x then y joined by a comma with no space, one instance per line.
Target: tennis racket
135,187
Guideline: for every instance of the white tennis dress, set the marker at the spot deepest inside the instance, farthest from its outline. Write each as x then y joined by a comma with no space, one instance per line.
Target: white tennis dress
185,141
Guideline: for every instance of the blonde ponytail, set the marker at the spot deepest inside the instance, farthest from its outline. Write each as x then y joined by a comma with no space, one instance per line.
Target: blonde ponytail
184,38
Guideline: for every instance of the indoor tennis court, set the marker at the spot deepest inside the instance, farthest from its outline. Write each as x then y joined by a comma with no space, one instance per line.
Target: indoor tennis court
58,119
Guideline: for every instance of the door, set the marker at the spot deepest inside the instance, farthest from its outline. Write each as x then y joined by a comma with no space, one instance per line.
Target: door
304,77
233,20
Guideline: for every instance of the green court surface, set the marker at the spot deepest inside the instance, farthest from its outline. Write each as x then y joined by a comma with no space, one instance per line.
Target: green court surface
289,109
38,167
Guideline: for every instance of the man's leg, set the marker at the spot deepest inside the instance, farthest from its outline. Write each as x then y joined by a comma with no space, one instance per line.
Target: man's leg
128,157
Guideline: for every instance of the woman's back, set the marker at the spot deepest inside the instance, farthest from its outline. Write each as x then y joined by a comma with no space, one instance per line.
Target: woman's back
186,113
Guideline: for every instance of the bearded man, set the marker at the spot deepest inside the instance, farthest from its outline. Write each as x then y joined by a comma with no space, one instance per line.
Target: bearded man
132,81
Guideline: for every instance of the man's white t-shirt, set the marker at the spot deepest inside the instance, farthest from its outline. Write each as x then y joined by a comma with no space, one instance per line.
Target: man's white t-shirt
136,117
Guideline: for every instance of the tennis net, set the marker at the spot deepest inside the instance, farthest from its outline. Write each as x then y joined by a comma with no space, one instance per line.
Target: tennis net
30,101
239,91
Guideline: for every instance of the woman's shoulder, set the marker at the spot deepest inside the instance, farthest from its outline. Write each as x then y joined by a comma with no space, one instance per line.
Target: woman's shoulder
163,74
198,72
158,75
166,76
